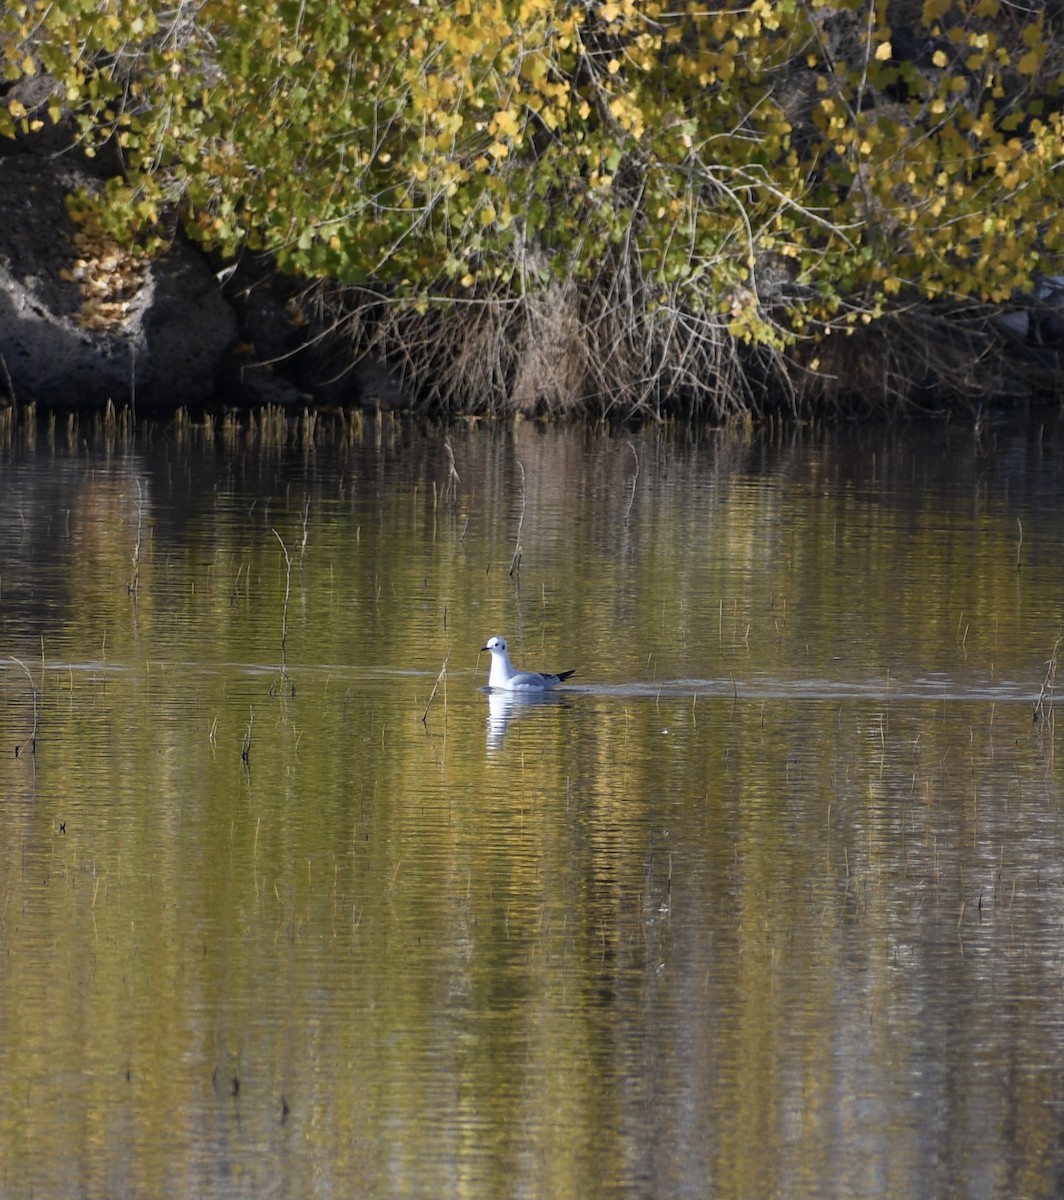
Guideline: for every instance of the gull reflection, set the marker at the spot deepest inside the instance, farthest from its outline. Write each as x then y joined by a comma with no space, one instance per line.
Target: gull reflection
504,707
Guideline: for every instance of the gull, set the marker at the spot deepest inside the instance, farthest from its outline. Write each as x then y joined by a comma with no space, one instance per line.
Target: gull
505,677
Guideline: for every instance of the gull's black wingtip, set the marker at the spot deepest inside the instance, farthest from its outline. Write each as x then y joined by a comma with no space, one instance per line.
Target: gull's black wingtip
564,675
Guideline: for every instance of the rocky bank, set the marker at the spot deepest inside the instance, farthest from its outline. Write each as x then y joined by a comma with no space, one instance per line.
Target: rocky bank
83,323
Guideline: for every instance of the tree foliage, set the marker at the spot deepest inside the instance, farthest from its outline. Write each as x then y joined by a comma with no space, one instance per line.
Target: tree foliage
764,169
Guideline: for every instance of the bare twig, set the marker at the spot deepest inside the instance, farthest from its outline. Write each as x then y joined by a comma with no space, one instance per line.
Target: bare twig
5,376
133,379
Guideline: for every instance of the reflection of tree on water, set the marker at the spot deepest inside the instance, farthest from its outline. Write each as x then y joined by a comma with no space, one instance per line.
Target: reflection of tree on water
503,707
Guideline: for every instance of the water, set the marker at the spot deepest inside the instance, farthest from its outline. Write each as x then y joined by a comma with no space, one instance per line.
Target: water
769,901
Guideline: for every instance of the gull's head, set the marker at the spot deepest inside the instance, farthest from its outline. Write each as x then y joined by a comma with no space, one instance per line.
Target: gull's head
495,644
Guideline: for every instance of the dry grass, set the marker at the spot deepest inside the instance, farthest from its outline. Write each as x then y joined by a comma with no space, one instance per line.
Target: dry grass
568,350
920,359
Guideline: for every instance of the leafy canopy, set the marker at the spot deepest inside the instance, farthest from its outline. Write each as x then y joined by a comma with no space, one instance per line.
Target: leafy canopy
770,166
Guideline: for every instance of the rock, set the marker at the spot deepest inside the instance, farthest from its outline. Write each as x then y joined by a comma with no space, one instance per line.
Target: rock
1040,320
376,385
255,384
188,330
78,330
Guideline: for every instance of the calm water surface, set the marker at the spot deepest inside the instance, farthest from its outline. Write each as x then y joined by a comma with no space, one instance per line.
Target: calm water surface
768,902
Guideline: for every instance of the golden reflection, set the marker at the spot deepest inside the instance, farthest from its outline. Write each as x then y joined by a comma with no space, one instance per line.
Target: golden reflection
767,905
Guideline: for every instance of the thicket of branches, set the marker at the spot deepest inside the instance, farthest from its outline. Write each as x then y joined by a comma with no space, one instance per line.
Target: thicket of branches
608,205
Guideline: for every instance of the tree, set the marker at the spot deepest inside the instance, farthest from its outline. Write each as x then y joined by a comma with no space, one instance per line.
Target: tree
677,181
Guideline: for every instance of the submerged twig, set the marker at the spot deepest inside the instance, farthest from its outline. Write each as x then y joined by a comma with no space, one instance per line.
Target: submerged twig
453,478
1043,707
303,543
435,688
134,578
287,594
515,562
245,752
32,739
635,480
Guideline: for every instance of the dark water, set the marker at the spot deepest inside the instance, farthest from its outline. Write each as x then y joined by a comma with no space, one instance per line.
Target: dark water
768,902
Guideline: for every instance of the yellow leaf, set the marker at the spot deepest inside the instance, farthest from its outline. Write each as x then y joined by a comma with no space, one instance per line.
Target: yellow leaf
16,108
1029,63
29,67
1032,36
939,58
884,51
504,123
934,10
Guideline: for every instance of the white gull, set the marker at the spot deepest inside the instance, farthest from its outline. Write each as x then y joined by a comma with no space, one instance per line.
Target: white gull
507,678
